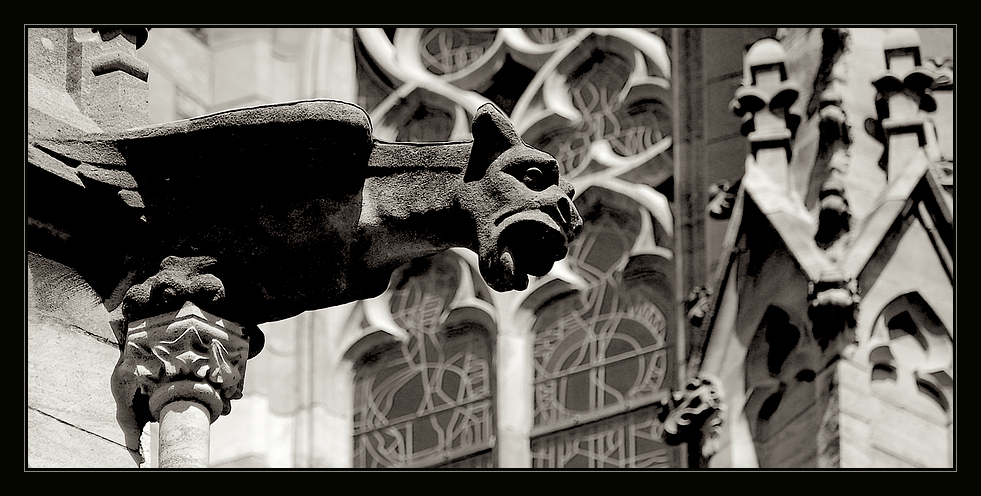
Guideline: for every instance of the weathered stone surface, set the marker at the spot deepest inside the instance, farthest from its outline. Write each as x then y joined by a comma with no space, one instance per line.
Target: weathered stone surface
52,443
177,356
305,210
59,296
105,78
68,376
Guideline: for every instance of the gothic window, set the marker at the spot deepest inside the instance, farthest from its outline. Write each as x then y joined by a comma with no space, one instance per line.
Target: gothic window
914,352
427,402
911,385
600,361
596,99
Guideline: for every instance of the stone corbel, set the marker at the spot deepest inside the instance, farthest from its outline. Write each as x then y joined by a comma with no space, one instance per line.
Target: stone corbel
693,416
181,365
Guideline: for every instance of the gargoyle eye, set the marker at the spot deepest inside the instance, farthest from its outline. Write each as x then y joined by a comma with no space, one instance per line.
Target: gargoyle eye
533,178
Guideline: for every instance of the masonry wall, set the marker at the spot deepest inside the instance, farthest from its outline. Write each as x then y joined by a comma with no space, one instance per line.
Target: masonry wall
70,413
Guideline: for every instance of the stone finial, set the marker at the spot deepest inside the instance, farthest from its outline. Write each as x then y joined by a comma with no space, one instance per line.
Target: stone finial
902,98
902,50
106,79
765,64
763,102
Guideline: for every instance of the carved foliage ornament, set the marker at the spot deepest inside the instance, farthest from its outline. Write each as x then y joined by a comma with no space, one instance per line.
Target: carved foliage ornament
176,350
693,415
193,345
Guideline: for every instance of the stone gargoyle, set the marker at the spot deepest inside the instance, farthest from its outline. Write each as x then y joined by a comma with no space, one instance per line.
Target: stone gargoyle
297,207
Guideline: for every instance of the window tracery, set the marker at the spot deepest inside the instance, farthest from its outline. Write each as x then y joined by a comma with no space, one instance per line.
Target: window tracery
599,355
429,401
913,351
596,99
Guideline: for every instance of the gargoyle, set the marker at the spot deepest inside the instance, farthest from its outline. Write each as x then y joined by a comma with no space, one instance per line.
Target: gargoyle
301,208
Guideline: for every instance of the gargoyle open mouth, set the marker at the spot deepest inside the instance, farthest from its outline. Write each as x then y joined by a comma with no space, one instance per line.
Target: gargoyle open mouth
528,242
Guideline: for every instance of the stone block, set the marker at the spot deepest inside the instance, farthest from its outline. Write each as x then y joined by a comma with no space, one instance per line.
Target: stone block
909,437
881,459
51,443
106,79
68,378
116,101
856,401
854,439
907,397
46,51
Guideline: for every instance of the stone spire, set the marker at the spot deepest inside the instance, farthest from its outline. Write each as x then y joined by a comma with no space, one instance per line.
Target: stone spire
763,101
902,99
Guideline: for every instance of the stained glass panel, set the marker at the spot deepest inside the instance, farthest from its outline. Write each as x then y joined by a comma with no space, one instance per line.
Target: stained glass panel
623,441
429,401
610,350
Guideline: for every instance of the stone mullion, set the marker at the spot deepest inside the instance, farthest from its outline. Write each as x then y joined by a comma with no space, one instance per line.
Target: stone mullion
515,391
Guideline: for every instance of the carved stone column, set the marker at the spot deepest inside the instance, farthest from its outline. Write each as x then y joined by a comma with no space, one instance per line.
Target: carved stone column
181,365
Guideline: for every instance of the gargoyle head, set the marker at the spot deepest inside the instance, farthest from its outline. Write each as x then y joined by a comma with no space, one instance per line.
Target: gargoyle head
524,212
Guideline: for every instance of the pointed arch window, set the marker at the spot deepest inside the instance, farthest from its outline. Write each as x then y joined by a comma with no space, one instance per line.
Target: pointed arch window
597,100
427,401
915,352
602,359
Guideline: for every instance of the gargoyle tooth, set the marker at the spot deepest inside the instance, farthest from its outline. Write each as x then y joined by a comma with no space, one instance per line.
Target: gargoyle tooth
507,262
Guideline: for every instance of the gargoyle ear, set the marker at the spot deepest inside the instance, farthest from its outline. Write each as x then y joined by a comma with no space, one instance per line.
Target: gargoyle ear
493,134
